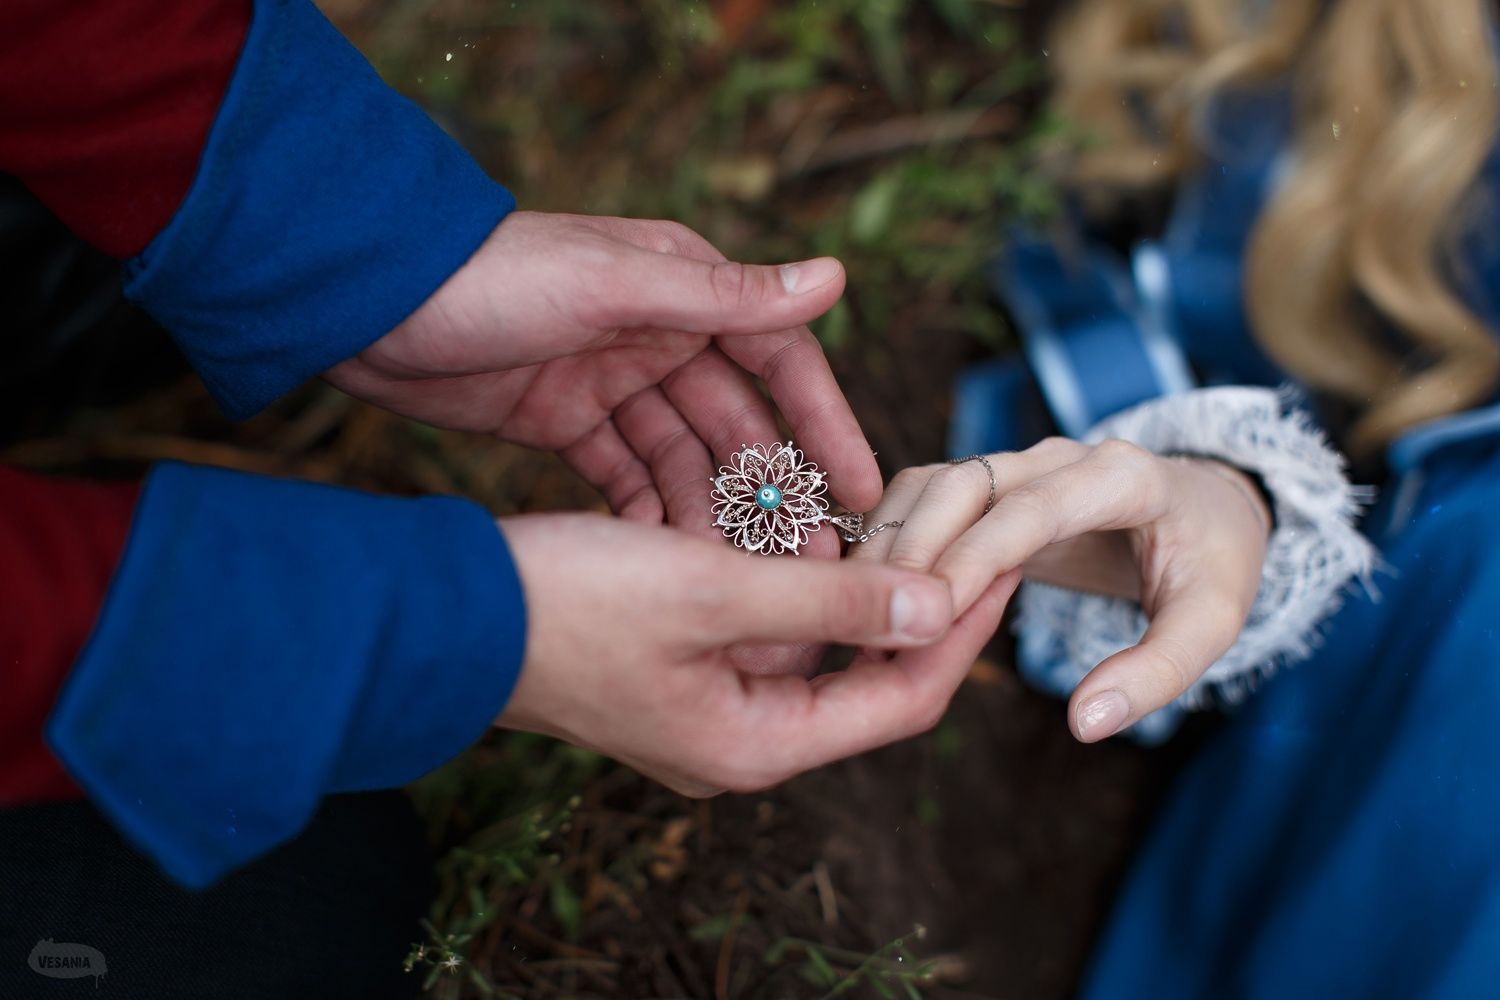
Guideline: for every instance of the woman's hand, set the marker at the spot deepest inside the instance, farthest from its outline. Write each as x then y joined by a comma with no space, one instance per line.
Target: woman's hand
1185,537
629,651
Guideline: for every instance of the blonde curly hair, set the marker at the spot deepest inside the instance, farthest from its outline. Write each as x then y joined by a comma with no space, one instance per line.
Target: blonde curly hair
1398,110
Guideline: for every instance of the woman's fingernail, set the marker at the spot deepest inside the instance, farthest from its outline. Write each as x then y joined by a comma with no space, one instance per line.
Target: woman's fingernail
1102,715
920,611
809,275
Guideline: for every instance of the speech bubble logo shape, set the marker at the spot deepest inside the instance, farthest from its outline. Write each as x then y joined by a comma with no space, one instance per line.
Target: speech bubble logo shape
66,960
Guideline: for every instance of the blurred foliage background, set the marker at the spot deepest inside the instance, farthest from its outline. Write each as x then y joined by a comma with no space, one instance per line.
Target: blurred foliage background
893,134
900,136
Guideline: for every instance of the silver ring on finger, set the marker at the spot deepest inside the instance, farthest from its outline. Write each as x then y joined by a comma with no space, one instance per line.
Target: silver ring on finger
989,504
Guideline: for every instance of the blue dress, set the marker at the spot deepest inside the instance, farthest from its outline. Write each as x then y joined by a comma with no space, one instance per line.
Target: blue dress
1340,836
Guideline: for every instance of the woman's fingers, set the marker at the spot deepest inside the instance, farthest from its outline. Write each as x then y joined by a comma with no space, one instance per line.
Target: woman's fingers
1117,486
1189,631
1111,519
900,497
955,497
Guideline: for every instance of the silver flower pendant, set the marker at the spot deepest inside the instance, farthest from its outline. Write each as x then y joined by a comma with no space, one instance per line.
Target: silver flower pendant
772,499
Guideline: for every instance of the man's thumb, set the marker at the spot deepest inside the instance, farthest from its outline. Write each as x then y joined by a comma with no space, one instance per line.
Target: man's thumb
720,297
781,600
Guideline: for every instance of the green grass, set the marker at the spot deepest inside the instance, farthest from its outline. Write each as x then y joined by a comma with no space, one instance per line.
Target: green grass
495,815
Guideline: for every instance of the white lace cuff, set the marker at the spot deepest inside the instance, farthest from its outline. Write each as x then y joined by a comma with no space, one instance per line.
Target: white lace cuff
1312,557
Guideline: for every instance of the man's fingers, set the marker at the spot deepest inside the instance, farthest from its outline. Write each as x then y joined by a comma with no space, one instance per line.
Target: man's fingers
822,544
680,465
795,726
683,470
640,288
750,599
659,235
718,399
805,391
801,658
726,411
1188,633
786,355
603,457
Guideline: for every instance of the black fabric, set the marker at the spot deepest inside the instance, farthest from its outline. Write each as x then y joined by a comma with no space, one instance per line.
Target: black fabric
331,914
68,338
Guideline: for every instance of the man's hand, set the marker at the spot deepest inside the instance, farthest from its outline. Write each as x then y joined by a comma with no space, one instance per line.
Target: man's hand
627,346
629,628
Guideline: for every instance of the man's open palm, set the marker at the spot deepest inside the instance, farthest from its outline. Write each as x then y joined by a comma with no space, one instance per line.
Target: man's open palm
627,346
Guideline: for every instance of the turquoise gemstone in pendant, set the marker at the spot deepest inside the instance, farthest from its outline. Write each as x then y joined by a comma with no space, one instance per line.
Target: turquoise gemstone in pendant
768,497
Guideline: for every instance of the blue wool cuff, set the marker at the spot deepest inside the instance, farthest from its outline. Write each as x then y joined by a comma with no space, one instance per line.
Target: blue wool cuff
266,642
326,209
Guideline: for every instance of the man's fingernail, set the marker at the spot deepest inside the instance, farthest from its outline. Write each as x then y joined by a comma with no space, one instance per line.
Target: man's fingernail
1102,715
810,275
920,611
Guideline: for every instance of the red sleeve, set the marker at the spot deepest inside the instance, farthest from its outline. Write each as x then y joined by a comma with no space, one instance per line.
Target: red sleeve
59,543
105,106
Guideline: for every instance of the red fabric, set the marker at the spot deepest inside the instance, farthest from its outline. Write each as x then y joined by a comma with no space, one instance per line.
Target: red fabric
59,543
105,106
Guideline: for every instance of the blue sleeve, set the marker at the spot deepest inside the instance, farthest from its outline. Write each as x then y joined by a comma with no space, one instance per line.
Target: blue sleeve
326,209
266,642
